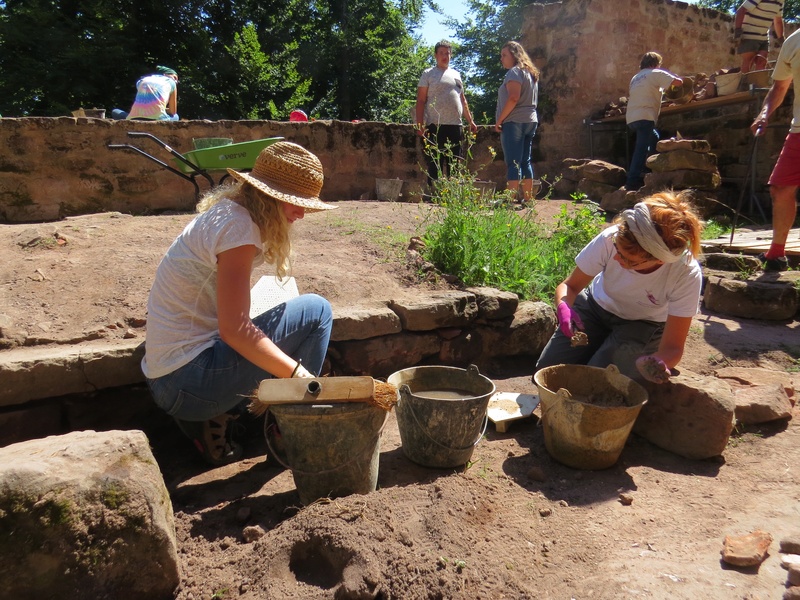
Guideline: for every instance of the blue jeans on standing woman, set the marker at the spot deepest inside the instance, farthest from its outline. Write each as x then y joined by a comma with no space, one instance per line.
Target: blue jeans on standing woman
646,140
220,380
517,141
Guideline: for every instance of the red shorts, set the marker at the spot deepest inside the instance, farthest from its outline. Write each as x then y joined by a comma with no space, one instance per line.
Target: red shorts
787,169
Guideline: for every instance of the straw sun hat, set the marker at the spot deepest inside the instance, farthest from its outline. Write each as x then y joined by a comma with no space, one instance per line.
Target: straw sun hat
289,173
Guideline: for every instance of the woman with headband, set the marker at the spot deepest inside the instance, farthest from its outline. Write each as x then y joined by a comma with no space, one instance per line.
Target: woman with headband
631,298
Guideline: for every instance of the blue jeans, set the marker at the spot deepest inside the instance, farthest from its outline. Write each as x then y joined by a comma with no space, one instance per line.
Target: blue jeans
612,340
517,139
646,140
220,380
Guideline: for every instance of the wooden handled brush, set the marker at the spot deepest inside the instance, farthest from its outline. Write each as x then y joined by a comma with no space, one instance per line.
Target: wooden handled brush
323,390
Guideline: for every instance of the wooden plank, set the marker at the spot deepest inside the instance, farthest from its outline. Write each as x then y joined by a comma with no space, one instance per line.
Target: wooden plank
755,242
321,390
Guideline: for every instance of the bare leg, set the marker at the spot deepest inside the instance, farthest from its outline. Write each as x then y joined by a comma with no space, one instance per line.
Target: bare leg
759,61
784,211
747,61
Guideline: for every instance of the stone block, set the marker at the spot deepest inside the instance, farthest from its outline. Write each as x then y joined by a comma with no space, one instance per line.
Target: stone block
736,263
682,159
380,357
493,303
363,322
618,200
770,301
691,415
526,334
595,190
435,310
692,145
762,404
91,518
683,179
603,172
571,168
756,376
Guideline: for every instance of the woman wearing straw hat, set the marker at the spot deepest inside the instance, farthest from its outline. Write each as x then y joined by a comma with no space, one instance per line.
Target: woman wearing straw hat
204,356
631,298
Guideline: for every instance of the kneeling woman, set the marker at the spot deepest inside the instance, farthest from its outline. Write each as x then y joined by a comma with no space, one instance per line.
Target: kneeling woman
204,356
633,293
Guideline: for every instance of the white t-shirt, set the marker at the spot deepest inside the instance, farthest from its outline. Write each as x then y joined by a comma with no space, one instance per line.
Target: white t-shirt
671,290
445,87
644,97
788,66
182,307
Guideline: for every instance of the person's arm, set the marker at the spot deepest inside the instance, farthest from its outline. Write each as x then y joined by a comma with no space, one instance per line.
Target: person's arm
673,341
568,290
773,100
777,26
172,103
676,81
422,99
514,91
233,314
467,114
738,20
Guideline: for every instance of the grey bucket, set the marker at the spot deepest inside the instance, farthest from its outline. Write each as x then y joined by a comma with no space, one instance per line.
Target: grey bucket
332,449
441,432
388,189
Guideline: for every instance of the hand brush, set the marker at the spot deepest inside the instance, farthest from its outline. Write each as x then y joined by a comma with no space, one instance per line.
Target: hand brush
323,390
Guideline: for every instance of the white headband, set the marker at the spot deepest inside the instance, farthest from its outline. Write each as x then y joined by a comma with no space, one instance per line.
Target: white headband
646,234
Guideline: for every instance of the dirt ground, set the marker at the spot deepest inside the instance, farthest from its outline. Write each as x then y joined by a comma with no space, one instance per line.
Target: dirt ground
514,524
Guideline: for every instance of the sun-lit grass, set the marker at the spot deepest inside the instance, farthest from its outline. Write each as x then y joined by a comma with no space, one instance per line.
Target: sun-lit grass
485,241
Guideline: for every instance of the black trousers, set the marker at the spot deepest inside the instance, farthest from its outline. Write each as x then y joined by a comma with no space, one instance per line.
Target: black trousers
447,139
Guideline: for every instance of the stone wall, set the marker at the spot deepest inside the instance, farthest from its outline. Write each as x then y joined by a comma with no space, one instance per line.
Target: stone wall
98,384
588,50
55,167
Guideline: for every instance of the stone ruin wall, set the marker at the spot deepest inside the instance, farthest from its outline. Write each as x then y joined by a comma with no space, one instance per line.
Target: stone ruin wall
588,50
56,167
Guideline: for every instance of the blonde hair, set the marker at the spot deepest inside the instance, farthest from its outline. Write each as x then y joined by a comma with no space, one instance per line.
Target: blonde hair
268,216
674,219
523,60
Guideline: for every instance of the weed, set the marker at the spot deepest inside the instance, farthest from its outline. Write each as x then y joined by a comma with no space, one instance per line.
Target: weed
714,229
219,594
578,196
460,565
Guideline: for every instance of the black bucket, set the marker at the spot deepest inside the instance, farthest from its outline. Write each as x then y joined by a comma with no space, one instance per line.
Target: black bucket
441,413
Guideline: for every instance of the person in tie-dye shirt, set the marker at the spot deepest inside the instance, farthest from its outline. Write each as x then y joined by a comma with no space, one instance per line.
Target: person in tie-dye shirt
156,97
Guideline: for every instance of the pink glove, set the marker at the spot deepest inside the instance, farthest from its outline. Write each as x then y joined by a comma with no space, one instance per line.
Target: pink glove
568,319
653,369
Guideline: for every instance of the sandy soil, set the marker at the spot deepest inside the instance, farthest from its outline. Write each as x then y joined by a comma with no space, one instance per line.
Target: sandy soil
513,524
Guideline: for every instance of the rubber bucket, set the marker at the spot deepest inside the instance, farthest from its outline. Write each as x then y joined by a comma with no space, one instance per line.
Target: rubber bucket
441,413
388,189
332,449
587,413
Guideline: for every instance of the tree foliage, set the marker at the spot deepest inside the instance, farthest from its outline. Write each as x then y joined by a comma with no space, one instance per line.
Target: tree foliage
237,59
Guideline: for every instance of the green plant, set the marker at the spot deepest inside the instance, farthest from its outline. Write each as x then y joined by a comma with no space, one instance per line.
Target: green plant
578,196
219,594
715,228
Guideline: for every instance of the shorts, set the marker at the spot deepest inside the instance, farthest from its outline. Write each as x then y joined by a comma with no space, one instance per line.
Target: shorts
754,46
787,169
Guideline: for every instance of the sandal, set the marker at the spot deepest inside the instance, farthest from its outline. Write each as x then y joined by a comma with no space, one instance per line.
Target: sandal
214,438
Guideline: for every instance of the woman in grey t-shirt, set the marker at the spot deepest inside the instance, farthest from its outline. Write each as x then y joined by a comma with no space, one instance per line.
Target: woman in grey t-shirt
516,117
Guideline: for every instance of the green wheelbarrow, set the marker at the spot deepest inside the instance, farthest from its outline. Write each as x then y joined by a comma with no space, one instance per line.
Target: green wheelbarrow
203,162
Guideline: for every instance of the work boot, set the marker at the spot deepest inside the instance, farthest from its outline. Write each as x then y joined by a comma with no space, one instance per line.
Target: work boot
773,264
214,439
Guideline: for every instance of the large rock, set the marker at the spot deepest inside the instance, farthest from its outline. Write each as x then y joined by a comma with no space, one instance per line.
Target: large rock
363,322
571,168
603,172
435,310
595,190
493,303
762,404
682,159
770,301
753,376
526,335
691,415
618,200
683,179
86,515
737,263
692,145
380,357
